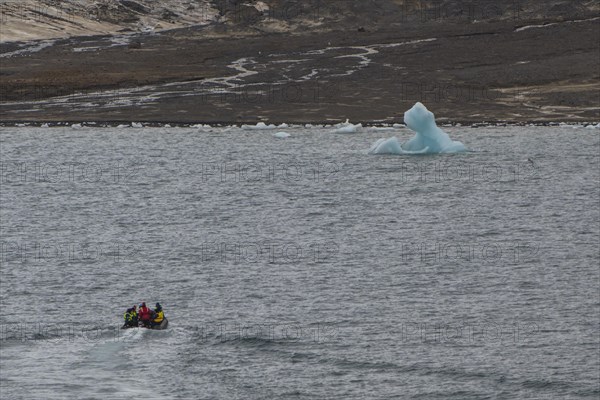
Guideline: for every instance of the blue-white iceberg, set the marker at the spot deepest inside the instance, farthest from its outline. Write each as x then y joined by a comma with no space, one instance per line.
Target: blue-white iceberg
428,139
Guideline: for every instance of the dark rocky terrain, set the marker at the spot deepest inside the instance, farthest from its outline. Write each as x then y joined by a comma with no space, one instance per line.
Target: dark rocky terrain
315,61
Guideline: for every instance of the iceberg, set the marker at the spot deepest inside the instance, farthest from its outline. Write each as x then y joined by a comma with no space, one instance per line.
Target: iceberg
259,126
428,139
348,127
282,135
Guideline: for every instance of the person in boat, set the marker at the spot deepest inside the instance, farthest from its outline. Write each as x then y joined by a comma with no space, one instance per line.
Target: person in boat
127,317
144,315
159,315
130,317
134,316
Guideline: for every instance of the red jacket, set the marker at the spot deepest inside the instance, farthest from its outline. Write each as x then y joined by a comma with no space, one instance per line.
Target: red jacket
144,313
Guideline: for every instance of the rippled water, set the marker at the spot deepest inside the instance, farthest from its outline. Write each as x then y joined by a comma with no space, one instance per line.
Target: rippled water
299,267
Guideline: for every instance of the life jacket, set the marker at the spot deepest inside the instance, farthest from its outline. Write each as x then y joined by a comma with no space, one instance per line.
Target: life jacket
144,313
127,316
160,315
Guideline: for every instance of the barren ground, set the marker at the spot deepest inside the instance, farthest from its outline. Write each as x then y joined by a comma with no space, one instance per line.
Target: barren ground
529,68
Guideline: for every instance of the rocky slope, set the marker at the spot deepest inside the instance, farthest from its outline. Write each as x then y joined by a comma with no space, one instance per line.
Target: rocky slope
48,19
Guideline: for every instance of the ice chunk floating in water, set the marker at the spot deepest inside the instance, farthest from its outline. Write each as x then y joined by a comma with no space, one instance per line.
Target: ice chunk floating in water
259,126
428,137
348,127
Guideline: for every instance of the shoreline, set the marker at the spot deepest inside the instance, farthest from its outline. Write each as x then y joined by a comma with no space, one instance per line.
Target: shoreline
275,125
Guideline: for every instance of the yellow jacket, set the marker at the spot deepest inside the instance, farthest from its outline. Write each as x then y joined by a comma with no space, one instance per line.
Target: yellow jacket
129,316
159,317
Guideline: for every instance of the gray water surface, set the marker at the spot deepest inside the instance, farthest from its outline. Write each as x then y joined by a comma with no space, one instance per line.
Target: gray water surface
299,268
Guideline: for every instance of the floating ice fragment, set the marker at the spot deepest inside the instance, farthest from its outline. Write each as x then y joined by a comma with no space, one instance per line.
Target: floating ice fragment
282,135
123,126
137,125
45,126
348,127
76,126
283,126
259,126
428,137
